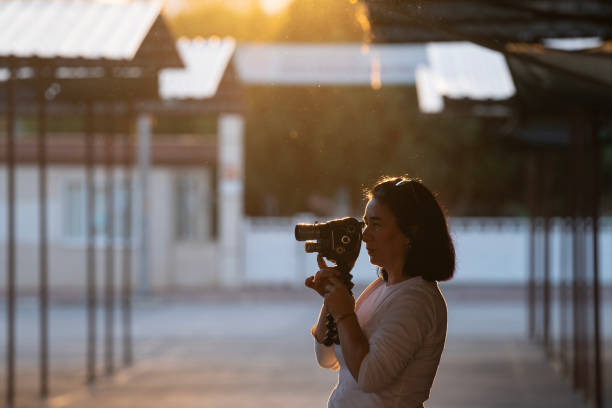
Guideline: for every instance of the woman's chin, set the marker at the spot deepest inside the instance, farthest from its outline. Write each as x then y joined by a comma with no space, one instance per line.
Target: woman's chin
374,262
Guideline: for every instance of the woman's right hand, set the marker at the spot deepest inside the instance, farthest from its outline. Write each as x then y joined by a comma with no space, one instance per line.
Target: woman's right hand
321,280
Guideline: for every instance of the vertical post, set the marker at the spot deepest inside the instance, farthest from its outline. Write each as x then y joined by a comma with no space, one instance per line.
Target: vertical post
546,206
144,164
231,189
10,275
110,259
531,187
575,263
563,294
546,288
126,287
581,373
91,251
43,264
595,197
565,263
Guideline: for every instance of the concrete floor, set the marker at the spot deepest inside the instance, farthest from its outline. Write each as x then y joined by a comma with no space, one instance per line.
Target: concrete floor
256,351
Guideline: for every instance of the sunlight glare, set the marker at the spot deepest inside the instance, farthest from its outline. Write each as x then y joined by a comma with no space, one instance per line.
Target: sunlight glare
375,80
361,14
273,6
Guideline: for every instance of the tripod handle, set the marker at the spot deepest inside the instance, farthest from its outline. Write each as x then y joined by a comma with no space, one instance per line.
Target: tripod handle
331,334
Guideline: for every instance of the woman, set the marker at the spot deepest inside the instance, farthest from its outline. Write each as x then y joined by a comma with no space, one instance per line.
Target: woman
392,338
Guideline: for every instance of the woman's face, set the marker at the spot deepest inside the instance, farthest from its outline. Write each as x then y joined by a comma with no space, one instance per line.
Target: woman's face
385,242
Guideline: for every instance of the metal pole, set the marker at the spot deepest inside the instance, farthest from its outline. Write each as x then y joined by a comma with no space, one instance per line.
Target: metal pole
110,259
546,289
126,303
565,258
596,168
91,251
144,163
531,281
43,288
563,299
546,306
575,263
580,315
10,275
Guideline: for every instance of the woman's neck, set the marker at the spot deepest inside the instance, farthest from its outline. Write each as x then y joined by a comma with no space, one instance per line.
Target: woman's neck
395,275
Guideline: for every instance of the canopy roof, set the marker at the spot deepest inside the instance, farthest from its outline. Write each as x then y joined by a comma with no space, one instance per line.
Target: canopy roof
208,84
329,64
558,51
488,21
205,64
463,71
85,32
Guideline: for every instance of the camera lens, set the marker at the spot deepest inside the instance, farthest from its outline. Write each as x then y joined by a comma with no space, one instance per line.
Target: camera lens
312,246
304,232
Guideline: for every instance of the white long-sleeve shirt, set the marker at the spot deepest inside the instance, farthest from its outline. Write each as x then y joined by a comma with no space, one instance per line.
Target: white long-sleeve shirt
405,325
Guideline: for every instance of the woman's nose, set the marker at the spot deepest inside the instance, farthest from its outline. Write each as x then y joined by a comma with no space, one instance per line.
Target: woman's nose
365,236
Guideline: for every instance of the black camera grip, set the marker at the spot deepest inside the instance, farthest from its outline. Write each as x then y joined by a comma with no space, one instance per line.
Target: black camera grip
331,334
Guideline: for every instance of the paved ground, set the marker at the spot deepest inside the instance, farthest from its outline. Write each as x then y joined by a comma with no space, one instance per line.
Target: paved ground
254,350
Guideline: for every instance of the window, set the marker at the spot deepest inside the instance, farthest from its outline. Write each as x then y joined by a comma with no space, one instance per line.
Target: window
190,208
75,211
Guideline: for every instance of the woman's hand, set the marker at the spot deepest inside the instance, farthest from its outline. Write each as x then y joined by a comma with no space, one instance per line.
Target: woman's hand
338,299
326,282
320,282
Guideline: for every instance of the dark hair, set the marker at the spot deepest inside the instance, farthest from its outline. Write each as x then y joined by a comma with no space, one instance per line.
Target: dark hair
421,218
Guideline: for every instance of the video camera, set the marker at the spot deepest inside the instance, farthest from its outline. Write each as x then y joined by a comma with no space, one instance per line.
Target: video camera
339,241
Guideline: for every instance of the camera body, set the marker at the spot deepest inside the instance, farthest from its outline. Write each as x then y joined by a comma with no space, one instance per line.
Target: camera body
337,240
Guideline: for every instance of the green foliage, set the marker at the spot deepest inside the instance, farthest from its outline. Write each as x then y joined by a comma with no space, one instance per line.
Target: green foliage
305,142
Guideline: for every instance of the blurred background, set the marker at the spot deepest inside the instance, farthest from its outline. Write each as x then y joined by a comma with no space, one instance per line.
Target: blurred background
156,156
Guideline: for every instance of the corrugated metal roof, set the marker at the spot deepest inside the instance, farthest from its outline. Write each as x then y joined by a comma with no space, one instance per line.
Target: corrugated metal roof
74,28
573,44
205,62
329,64
462,70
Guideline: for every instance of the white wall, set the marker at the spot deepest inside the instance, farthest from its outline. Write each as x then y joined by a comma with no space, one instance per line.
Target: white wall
489,251
174,263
